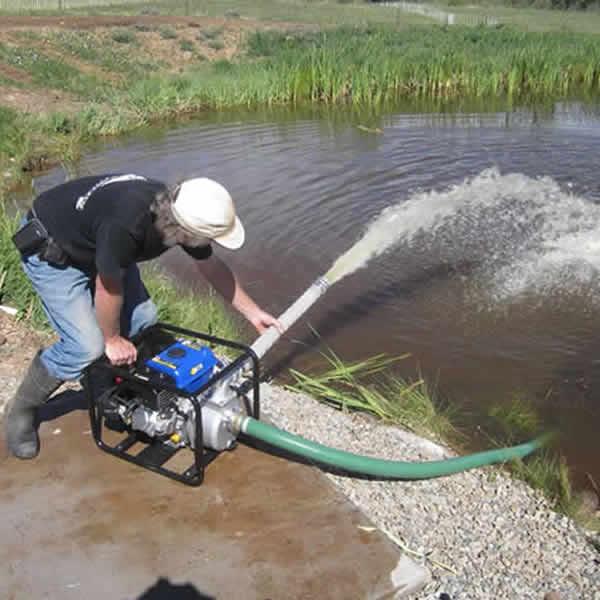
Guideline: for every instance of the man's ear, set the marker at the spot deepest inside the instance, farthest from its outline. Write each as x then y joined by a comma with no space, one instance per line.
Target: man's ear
175,190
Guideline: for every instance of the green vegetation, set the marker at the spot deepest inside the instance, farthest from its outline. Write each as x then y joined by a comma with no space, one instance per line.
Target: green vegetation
514,419
167,33
350,386
529,18
579,5
29,143
15,288
124,36
211,33
183,308
380,64
524,14
101,51
325,12
52,73
142,28
216,44
373,66
187,45
12,137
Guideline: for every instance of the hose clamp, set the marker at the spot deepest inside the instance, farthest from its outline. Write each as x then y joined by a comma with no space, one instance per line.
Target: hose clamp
322,283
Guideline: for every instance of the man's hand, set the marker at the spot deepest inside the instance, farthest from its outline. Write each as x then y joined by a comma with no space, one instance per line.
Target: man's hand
223,279
263,320
120,351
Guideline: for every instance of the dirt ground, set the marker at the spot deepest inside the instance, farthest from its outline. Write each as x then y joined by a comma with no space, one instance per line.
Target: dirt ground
224,40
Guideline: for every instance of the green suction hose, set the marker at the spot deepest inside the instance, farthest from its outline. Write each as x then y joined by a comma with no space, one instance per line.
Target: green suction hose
378,467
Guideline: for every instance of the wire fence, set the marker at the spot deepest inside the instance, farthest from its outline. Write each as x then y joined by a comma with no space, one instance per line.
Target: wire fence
449,18
443,16
17,6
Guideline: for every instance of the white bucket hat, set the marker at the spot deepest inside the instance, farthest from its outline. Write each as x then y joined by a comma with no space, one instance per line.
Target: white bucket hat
204,208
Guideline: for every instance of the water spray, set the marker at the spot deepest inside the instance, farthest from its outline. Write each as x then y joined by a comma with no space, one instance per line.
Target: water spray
381,234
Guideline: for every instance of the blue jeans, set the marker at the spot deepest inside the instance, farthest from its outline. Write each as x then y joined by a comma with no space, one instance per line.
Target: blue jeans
67,295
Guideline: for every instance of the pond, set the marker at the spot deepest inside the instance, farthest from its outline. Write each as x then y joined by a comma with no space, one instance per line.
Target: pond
493,282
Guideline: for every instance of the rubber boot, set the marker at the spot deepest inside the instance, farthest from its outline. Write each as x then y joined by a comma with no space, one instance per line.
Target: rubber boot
21,423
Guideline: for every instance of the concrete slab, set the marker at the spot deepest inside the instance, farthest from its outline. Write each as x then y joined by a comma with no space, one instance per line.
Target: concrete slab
78,523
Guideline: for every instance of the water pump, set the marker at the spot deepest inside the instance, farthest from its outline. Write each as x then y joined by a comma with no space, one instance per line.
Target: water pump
186,390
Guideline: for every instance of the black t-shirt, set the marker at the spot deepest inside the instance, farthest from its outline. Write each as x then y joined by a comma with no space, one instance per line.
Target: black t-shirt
104,222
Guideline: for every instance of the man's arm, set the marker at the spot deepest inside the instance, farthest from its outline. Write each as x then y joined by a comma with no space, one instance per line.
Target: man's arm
109,301
223,279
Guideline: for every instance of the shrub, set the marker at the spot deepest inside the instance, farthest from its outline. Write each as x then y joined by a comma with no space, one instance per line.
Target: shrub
124,36
186,45
167,33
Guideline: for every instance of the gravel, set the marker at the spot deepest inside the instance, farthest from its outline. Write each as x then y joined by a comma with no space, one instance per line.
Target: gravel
481,533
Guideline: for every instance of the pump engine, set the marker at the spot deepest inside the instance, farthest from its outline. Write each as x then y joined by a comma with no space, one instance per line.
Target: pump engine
180,394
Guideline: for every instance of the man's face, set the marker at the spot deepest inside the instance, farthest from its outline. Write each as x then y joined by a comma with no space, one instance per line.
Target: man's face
190,241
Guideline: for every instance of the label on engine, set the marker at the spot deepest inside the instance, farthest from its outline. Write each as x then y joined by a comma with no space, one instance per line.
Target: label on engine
189,365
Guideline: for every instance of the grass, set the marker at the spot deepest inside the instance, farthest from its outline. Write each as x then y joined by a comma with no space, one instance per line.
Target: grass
323,13
529,18
167,33
187,45
210,33
328,13
101,51
52,73
29,143
350,386
216,44
374,66
371,67
12,137
183,308
514,419
124,36
15,288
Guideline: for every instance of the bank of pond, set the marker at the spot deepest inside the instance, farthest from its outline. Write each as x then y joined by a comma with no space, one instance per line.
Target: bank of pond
365,67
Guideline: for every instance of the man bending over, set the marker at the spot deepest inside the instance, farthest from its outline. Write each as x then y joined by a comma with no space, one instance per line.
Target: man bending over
80,245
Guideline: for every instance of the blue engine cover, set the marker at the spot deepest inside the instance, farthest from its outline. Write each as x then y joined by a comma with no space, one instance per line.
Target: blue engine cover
189,365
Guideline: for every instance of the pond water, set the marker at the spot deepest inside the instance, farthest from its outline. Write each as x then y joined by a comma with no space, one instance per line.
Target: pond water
493,284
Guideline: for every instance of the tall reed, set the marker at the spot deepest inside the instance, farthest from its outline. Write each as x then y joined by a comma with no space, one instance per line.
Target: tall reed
369,66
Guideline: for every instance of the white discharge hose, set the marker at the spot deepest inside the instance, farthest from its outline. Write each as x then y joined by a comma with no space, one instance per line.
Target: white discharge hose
266,341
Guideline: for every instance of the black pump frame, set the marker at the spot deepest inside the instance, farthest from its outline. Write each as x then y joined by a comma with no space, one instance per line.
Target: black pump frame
156,452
